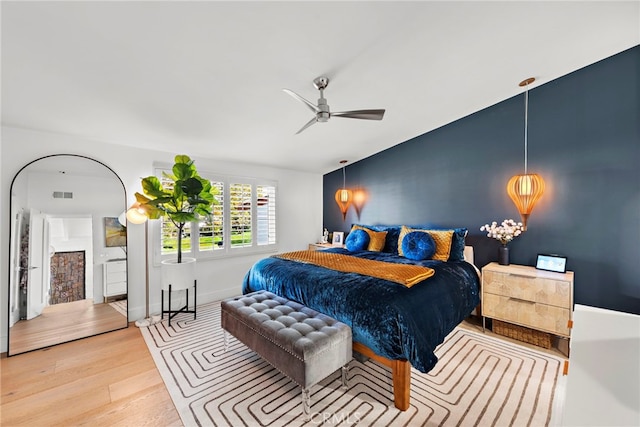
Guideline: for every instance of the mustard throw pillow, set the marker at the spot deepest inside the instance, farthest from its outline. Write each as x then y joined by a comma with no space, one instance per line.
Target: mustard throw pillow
376,238
442,238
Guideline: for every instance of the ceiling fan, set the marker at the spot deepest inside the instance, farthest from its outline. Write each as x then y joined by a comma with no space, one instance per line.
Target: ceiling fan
321,111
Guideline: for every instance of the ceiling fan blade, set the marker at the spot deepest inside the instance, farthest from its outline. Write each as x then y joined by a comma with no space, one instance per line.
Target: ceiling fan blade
309,123
361,114
311,106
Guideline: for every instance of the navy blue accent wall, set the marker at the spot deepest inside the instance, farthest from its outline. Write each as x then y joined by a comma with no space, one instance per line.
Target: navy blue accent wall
584,139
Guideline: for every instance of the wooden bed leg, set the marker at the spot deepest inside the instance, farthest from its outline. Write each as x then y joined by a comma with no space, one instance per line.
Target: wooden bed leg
401,371
401,384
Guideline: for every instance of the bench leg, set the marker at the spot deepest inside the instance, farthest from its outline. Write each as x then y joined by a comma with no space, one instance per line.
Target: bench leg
306,404
345,371
226,340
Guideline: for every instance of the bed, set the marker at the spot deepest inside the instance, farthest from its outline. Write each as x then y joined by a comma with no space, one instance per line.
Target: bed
397,325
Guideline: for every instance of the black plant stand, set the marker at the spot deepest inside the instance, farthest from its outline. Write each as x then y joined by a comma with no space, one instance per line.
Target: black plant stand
185,309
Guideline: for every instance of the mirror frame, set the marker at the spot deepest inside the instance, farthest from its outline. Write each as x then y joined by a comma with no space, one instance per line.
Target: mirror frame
124,208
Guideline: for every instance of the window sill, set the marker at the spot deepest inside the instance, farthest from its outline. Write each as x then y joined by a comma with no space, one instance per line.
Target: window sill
237,253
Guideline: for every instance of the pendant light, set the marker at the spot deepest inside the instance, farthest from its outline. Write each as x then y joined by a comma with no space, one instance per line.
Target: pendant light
526,189
359,199
344,196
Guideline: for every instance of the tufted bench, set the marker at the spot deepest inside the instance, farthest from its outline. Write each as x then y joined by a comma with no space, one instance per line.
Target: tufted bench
303,344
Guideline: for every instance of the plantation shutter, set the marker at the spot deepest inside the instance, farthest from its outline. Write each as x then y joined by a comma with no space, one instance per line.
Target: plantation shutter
243,220
240,215
211,229
266,214
169,231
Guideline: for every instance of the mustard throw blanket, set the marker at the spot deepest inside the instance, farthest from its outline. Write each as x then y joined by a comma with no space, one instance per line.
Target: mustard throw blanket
404,274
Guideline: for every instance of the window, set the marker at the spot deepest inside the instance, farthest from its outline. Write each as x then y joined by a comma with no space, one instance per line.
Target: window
242,221
266,215
241,213
169,230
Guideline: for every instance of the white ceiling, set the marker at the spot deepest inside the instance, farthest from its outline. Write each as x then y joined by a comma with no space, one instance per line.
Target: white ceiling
206,78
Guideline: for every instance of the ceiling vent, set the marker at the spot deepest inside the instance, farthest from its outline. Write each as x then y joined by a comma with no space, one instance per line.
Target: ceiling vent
62,195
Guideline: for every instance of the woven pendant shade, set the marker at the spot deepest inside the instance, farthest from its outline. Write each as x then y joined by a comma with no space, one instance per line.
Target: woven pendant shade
344,196
525,191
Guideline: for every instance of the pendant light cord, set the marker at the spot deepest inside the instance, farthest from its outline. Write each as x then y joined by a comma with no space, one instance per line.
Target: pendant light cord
526,124
344,179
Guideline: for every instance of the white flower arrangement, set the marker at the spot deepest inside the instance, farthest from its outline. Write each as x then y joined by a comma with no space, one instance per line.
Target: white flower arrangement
505,232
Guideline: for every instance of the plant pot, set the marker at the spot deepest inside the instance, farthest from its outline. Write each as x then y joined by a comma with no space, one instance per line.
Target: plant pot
503,255
179,276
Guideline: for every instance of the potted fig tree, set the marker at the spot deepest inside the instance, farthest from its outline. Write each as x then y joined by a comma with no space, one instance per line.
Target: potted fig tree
189,198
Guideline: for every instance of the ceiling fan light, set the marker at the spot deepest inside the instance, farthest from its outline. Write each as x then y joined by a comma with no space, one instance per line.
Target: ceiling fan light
322,112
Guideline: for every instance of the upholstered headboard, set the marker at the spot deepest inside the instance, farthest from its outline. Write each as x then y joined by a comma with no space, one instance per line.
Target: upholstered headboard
468,254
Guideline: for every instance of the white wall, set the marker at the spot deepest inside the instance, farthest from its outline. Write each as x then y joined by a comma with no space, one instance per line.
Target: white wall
299,211
603,384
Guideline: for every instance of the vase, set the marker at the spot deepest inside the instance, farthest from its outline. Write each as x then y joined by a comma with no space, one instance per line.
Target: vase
179,276
503,255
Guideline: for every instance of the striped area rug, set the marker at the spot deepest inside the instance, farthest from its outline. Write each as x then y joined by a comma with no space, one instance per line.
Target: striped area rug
478,380
120,306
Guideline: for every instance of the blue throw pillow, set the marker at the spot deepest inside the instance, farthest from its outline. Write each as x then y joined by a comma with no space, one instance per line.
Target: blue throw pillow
458,240
457,244
418,245
357,240
391,240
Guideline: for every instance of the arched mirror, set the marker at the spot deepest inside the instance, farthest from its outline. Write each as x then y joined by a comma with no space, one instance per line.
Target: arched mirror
68,255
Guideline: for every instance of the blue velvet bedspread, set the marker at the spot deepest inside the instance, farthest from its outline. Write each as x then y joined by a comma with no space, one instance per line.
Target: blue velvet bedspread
394,321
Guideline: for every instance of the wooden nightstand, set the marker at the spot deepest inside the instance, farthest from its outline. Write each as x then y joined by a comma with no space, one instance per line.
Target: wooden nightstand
525,296
320,246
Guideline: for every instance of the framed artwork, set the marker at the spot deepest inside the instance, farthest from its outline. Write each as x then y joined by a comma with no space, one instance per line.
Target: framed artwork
551,262
115,233
338,238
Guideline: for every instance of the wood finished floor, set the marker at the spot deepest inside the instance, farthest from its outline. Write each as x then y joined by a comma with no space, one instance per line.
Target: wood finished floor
106,380
64,322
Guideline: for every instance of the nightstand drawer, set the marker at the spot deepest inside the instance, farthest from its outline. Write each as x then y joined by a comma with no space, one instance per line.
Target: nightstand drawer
538,316
320,246
323,246
534,289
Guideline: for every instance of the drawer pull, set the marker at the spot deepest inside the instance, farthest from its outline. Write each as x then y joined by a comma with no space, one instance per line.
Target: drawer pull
522,300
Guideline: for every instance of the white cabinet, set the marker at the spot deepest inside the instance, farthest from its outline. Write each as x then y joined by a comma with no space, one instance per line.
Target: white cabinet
115,278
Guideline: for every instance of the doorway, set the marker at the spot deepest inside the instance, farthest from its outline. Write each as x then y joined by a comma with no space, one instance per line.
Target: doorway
67,277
